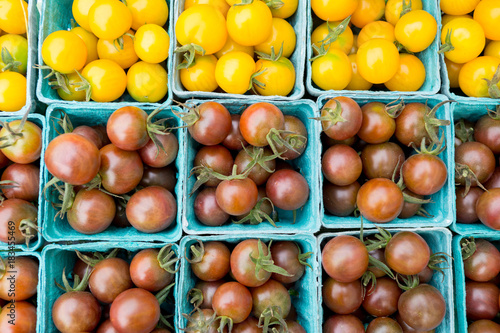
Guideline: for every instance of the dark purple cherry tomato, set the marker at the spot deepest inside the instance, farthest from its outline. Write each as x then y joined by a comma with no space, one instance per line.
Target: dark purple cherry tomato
494,181
15,210
164,177
258,120
426,275
342,298
81,268
345,258
487,131
214,264
25,318
211,123
146,273
152,209
484,264
382,301
217,158
258,174
272,293
233,300
21,276
121,170
237,196
207,209
92,211
106,327
157,157
120,220
287,189
407,253
110,277
208,290
410,124
4,161
250,325
340,200
479,158
380,160
378,254
345,120
296,127
380,200
89,133
481,299
127,128
422,308
377,125
483,326
424,174
343,323
234,140
341,165
243,268
26,178
285,254
488,208
135,311
466,205
72,159
76,311
384,325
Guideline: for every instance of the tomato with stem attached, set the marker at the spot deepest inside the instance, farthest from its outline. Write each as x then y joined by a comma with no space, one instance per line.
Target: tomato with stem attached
416,30
27,179
14,50
106,80
235,72
123,54
92,211
147,82
462,40
382,299
210,260
380,200
407,253
64,52
345,258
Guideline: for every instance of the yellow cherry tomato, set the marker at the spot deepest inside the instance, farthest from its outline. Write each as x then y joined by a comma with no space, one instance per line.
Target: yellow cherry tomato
332,71
234,71
148,12
251,24
13,16
276,78
233,2
64,52
288,8
231,46
282,34
80,9
202,25
107,80
17,48
333,10
109,19
124,56
410,75
394,8
12,91
151,43
73,82
357,81
466,37
453,71
458,7
378,60
473,74
378,29
492,49
416,30
368,11
344,41
487,13
147,83
200,76
447,18
90,42
221,5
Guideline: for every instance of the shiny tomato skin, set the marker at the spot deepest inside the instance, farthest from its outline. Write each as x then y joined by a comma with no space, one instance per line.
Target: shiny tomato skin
488,208
407,253
15,210
424,174
216,157
484,264
25,276
233,299
494,180
121,170
214,264
340,200
72,159
341,165
483,326
234,140
26,149
487,131
410,125
345,258
25,318
466,206
237,196
383,325
342,298
76,311
249,325
146,273
258,174
382,301
208,290
207,209
135,311
481,299
422,307
271,293
109,279
92,211
287,189
165,177
213,125
351,112
380,200
380,160
343,323
157,157
27,179
127,128
478,157
257,120
285,254
242,266
377,125
106,327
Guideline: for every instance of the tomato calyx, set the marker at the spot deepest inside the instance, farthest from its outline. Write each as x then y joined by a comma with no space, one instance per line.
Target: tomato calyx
463,132
493,89
333,116
322,51
437,259
224,321
244,3
447,46
162,295
10,63
272,315
394,108
434,148
12,136
493,114
197,253
406,8
195,297
5,185
98,257
189,52
29,230
78,285
271,57
465,172
190,117
119,42
199,323
204,174
304,256
407,282
266,262
334,33
59,80
66,195
402,48
468,246
167,259
257,215
432,123
274,4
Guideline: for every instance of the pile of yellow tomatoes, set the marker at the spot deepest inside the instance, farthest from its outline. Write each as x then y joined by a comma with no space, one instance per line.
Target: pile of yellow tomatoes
470,40
220,40
14,54
355,48
116,47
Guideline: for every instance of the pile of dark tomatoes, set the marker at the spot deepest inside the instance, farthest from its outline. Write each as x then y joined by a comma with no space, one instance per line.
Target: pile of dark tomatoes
369,164
20,150
240,167
477,174
118,295
245,288
121,173
382,280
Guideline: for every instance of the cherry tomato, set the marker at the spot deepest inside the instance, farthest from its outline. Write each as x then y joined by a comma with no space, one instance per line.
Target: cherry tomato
127,128
483,325
14,18
453,70
158,157
295,127
212,125
147,82
378,60
202,25
234,71
109,19
479,158
257,173
339,323
393,9
234,140
344,41
492,49
151,43
76,311
481,300
27,178
382,300
208,290
124,56
377,125
25,314
287,189
487,208
164,177
120,170
107,80
332,71
460,7
237,196
380,160
487,131
447,18
466,37
278,77
110,277
22,276
148,12
349,111
135,310
410,75
207,209
92,212
27,148
90,42
15,210
424,174
329,10
383,324
340,200
341,165
200,76
270,294
250,24
484,264
231,46
288,9
282,35
214,264
243,268
17,46
12,91
377,29
217,158
258,120
64,52
368,11
345,258
73,82
233,300
422,307
152,209
416,30
286,254
473,74
342,298
466,205
221,5
380,200
407,253
80,9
